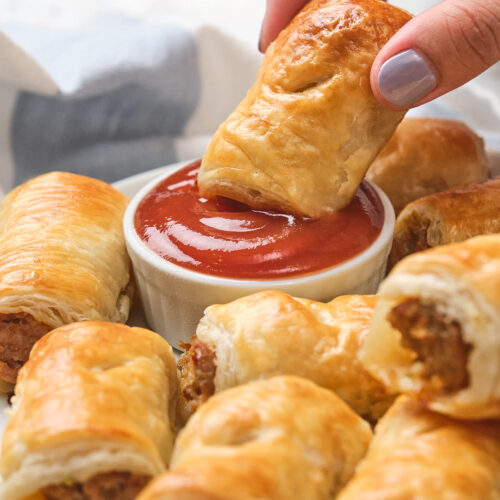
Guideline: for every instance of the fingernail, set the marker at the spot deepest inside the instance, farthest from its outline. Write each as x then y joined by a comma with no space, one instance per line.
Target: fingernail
406,78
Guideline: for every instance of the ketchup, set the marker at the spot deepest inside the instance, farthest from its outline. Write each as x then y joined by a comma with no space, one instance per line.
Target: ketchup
223,237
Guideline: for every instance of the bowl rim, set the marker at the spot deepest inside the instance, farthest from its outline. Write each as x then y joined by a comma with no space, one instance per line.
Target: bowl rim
143,251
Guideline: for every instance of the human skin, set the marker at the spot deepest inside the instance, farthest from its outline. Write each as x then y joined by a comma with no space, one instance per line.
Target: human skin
446,46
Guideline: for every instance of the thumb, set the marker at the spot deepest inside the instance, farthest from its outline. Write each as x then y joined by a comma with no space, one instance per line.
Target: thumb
437,51
278,14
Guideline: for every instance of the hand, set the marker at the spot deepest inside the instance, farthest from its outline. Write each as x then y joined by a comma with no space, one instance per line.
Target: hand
437,51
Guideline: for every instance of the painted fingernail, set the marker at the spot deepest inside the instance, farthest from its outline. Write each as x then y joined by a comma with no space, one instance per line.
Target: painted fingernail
406,78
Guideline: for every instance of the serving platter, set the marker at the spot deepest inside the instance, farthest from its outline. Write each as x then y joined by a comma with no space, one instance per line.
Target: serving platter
132,185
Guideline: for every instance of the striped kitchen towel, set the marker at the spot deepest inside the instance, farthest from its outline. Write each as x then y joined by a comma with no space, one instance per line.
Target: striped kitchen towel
118,95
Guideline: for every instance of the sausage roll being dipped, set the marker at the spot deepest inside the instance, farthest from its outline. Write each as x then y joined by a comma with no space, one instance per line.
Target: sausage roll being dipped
447,217
92,416
307,131
62,259
436,328
425,156
275,439
271,333
419,454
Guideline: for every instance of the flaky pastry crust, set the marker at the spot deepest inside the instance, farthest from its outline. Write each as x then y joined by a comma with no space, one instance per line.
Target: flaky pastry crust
271,333
425,156
94,397
308,129
447,217
418,454
276,439
62,252
453,295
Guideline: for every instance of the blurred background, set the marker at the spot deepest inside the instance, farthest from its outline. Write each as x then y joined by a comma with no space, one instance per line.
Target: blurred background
111,88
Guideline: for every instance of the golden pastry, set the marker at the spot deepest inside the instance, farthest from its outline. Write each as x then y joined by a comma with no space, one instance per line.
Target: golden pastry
307,131
62,259
92,416
271,333
436,328
447,217
275,439
425,156
418,454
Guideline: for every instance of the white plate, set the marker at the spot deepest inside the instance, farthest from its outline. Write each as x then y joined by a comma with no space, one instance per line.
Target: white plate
131,185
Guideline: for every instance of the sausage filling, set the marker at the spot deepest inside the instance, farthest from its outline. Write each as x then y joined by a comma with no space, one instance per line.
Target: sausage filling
437,340
18,334
411,241
108,486
197,372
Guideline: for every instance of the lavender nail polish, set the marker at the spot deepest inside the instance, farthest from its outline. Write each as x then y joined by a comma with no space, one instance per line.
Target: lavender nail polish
406,78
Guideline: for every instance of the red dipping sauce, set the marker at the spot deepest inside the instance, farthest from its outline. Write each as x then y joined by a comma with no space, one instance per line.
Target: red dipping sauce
225,238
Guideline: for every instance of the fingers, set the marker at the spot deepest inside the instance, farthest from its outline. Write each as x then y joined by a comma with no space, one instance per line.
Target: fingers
437,51
278,14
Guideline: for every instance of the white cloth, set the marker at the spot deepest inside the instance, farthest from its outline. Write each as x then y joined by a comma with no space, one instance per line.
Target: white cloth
119,91
110,88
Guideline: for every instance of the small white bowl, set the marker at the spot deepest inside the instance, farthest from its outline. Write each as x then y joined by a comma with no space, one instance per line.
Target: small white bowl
174,298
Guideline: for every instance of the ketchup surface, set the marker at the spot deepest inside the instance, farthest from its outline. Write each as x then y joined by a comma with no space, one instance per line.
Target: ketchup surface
225,238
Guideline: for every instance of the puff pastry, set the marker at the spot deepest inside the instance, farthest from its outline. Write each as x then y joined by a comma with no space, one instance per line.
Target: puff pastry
418,454
276,439
92,416
308,129
425,156
271,333
436,328
62,259
447,217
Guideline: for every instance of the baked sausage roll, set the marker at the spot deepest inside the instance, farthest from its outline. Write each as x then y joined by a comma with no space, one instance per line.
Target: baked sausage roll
447,217
271,333
436,328
92,416
425,156
419,454
276,439
307,131
62,259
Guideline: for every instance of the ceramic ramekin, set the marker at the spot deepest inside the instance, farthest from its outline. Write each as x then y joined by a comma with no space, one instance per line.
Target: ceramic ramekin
174,298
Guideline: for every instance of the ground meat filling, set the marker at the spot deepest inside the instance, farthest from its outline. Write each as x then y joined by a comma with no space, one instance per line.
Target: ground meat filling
197,372
417,240
18,334
410,241
108,486
437,341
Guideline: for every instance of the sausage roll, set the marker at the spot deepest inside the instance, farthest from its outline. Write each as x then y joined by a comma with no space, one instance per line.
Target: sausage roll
92,416
276,439
447,217
418,454
436,328
271,333
307,131
427,155
62,259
